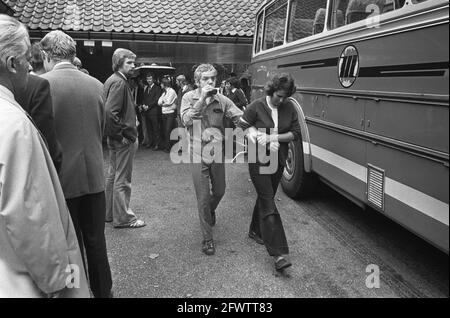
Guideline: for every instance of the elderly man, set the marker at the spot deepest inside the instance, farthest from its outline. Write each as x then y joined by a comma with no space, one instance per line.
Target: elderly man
205,109
39,253
80,117
122,141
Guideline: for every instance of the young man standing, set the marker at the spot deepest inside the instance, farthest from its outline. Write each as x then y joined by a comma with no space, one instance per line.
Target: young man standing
122,141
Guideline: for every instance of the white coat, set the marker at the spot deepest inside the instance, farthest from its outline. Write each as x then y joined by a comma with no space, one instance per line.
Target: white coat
39,253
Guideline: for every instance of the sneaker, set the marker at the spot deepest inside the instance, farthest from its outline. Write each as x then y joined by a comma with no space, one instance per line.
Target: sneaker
255,237
281,263
208,247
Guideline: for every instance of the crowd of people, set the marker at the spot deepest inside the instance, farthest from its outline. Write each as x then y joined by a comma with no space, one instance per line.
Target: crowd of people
54,197
158,102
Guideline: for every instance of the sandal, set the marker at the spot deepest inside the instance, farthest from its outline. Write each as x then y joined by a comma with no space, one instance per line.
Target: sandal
133,225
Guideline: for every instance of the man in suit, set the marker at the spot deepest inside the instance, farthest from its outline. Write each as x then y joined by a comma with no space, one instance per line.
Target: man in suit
122,140
152,112
37,102
80,117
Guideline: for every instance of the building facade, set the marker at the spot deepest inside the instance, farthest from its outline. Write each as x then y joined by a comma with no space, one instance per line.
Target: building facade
160,31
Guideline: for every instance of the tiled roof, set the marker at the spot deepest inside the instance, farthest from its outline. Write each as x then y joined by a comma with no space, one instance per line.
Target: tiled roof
193,17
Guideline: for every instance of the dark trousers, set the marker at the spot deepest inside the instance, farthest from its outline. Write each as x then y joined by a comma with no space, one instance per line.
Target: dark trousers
266,221
153,129
168,123
140,129
88,217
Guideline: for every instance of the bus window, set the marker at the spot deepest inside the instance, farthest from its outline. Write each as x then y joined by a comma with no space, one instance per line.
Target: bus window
350,11
259,31
307,17
275,22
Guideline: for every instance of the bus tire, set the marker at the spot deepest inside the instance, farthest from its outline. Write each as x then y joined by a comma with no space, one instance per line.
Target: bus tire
296,182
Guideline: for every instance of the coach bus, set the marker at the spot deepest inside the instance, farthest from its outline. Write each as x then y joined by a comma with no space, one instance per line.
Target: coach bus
372,99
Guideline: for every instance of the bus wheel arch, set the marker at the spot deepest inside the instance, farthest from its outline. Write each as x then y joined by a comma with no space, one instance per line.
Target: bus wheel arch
305,140
297,180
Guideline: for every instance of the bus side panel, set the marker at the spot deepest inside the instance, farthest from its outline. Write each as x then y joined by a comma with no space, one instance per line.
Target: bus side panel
414,123
425,175
417,196
330,153
422,225
344,111
395,63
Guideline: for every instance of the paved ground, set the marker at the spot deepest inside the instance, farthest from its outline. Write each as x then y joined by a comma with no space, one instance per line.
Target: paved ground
331,240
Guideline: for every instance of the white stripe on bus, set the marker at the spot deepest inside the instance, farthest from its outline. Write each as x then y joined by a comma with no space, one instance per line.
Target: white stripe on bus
306,148
419,201
348,166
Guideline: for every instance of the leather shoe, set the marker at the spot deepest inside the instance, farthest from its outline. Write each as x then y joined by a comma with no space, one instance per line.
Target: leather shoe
255,237
208,247
282,263
155,148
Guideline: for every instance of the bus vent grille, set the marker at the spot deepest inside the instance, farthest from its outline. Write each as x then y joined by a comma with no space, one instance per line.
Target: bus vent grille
375,187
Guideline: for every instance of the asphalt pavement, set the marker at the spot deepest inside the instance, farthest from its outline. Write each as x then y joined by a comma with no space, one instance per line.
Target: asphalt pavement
334,245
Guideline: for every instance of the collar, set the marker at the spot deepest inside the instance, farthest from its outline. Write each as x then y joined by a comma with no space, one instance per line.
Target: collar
7,95
125,78
64,64
266,106
233,90
270,104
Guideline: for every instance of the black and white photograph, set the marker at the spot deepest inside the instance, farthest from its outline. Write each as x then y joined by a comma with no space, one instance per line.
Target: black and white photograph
225,155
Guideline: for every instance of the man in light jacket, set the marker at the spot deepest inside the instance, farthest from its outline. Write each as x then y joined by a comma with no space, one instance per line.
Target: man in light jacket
39,253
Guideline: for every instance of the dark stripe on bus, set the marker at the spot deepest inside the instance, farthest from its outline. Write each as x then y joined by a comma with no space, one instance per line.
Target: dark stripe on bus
424,69
405,70
313,64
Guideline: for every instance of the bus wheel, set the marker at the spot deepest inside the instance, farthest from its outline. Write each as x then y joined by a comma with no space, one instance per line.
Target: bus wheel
296,182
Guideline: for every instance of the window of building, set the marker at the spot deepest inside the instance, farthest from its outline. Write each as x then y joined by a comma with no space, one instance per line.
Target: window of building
275,24
350,11
306,18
